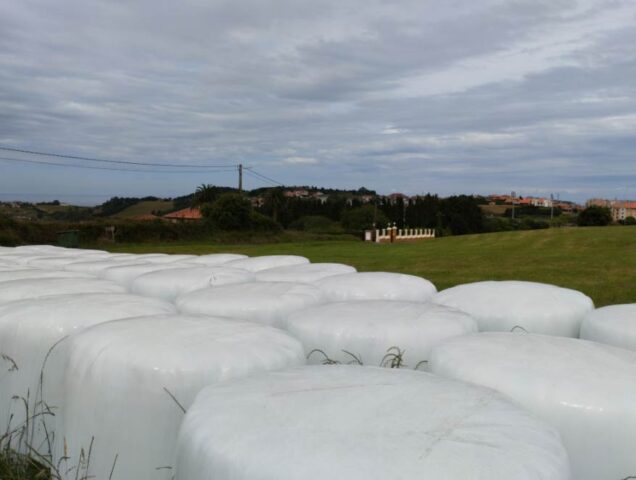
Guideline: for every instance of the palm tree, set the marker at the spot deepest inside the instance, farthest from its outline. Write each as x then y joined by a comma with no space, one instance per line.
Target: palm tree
205,193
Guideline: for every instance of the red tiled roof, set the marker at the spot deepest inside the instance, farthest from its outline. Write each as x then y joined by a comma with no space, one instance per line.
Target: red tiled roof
186,213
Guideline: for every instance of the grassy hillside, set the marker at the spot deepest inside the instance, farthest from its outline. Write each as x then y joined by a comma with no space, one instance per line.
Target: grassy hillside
600,262
145,207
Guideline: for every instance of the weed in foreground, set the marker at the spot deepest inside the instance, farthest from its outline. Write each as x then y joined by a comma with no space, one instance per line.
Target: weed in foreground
394,358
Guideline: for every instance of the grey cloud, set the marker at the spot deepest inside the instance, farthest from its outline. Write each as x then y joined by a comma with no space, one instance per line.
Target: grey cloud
306,92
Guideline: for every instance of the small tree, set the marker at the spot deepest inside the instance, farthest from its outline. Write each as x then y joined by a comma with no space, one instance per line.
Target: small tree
630,221
594,216
231,211
275,201
361,218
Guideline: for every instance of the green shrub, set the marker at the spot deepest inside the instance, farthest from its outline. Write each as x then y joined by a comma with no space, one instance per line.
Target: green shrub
263,223
362,218
316,224
594,216
231,211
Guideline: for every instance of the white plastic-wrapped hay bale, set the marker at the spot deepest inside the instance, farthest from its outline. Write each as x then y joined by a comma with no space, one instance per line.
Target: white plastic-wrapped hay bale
507,305
23,274
14,290
23,259
125,274
613,325
95,267
215,259
62,261
308,273
376,332
585,389
127,381
269,303
169,284
355,423
55,261
255,264
53,249
377,286
170,258
29,329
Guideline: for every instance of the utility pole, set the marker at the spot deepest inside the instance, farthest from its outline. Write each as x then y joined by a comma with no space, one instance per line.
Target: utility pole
240,171
514,195
551,207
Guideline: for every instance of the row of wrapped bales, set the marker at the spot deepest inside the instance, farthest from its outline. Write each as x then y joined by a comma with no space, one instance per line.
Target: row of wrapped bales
113,378
128,382
585,389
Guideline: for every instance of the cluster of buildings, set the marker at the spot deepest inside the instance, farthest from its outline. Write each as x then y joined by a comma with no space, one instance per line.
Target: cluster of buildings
621,209
564,205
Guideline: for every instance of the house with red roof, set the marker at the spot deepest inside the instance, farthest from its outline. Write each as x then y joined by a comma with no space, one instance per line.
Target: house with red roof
185,215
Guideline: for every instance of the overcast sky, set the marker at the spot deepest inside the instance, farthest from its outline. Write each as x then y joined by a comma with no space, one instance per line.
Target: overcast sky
443,96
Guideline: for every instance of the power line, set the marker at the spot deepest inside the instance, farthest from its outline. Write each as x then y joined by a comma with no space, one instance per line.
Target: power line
263,177
42,162
90,159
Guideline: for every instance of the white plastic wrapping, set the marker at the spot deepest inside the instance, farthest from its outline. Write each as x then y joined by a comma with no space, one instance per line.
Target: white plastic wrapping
354,423
125,274
585,389
377,286
366,331
23,274
57,261
507,305
263,302
169,284
95,267
30,328
126,382
255,264
54,261
215,259
308,273
14,290
181,258
613,325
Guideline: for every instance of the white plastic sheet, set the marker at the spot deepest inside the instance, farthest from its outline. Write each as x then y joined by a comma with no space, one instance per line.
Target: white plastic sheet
125,274
97,266
377,286
613,325
126,382
263,302
355,423
34,288
303,273
170,258
367,331
585,389
169,284
34,273
215,259
255,264
54,261
507,305
29,329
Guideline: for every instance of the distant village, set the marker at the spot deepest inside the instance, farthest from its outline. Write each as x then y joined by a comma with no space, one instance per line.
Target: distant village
494,204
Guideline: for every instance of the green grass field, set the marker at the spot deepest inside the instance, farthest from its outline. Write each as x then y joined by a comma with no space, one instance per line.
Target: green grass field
145,208
600,262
